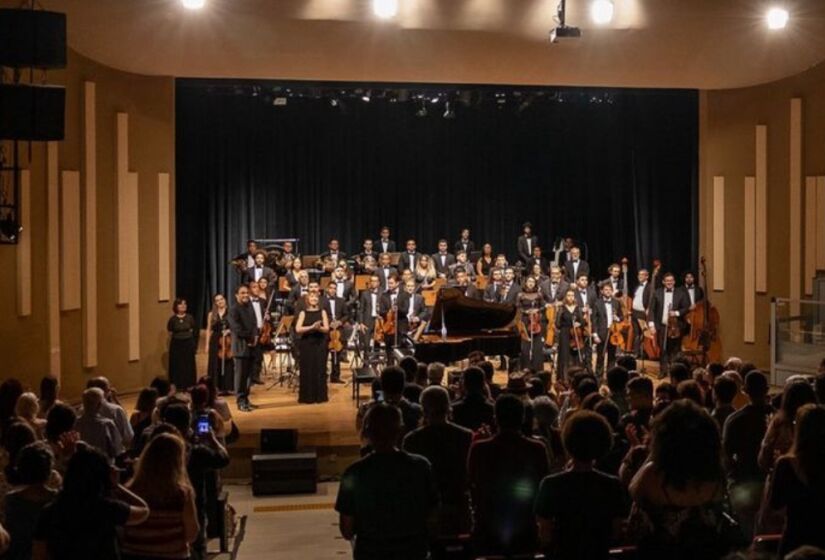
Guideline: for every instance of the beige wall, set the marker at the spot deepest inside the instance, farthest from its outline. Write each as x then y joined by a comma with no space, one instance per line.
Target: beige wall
727,144
24,345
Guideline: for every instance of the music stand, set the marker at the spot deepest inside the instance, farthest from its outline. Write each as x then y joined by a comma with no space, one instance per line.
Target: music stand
283,350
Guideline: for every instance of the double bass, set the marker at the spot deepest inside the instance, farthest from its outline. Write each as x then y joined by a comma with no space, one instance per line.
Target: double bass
650,341
704,326
627,312
266,330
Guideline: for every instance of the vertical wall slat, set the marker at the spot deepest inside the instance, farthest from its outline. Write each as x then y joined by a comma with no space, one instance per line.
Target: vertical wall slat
90,225
133,260
24,247
164,239
749,267
761,209
718,273
795,178
70,241
810,234
122,172
53,255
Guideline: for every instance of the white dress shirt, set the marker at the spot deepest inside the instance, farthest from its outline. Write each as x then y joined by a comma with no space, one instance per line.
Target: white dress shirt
692,294
666,307
332,309
374,303
259,315
608,305
638,298
339,289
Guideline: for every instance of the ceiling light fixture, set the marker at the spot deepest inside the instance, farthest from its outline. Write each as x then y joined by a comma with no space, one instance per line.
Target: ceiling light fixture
385,9
777,18
601,11
193,4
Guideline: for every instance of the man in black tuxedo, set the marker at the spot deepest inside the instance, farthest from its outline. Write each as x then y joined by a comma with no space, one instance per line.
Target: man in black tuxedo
537,259
585,293
298,291
491,291
345,288
526,242
614,276
251,251
606,312
576,266
464,242
332,256
695,293
641,297
384,244
409,258
244,328
385,270
411,311
368,251
368,303
668,303
259,270
337,310
443,260
389,302
554,287
508,293
463,283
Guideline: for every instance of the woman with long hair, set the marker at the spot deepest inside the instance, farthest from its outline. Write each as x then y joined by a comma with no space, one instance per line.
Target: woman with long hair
485,261
425,273
221,365
161,480
780,433
799,482
183,343
530,302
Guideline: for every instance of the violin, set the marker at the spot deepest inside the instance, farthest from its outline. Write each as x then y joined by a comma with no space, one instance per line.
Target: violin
385,326
266,331
225,347
335,343
617,335
673,328
535,323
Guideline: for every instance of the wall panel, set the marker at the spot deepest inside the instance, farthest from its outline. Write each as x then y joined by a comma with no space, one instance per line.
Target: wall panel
90,225
749,254
24,247
53,255
70,241
761,209
820,223
133,263
718,234
795,199
121,180
164,239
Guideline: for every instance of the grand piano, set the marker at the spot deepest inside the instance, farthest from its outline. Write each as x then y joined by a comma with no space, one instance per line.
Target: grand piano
471,324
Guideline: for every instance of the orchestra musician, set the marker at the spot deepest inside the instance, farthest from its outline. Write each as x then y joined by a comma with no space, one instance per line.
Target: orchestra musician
409,258
258,270
259,304
312,328
329,259
462,282
265,287
251,251
292,274
386,303
338,313
606,311
509,289
367,252
576,266
485,261
586,298
568,316
564,251
368,303
614,276
298,291
284,262
526,242
411,311
385,270
464,242
695,293
344,287
668,303
536,258
555,287
244,328
499,264
535,271
368,265
217,325
461,263
384,244
425,274
443,259
530,301
493,287
641,302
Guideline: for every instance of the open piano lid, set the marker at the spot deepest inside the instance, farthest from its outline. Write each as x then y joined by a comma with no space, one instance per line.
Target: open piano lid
467,315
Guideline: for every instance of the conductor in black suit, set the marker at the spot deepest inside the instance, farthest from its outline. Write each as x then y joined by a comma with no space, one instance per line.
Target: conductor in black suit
526,242
384,244
576,266
668,302
244,328
464,242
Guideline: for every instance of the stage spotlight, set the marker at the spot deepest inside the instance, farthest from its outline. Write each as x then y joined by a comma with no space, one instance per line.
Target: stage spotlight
601,11
777,18
193,4
385,9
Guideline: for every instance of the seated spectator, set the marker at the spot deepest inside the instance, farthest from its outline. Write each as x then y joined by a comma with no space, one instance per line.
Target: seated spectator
724,391
49,395
95,429
640,399
412,390
741,399
199,397
546,415
82,521
504,475
18,436
26,409
679,492
219,405
61,434
446,446
474,410
612,460
435,373
385,498
111,409
741,440
580,511
10,391
689,389
779,436
161,480
627,361
799,482
24,505
617,379
489,373
141,418
678,372
392,389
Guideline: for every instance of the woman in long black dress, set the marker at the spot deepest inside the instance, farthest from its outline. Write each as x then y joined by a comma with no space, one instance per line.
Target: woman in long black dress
183,342
485,261
222,370
568,316
531,303
312,327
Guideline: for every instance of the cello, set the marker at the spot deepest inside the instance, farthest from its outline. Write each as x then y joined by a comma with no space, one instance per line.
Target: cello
704,326
650,341
627,312
550,314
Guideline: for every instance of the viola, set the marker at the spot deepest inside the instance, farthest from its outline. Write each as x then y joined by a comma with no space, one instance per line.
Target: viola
335,343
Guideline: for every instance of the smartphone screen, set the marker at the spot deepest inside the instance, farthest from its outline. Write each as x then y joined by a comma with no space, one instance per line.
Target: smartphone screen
379,396
203,424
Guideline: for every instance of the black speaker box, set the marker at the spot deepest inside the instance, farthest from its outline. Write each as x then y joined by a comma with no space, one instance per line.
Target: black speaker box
32,39
279,440
32,112
285,473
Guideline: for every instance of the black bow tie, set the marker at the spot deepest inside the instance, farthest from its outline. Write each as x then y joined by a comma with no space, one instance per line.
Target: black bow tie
669,291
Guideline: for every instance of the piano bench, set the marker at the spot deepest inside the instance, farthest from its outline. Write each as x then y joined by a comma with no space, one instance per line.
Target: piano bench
361,376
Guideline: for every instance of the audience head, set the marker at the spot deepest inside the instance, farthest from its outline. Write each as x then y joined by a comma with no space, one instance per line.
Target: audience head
545,413
88,476
819,387
10,391
809,444
473,381
715,369
724,391
421,376
200,397
161,385
382,426
27,406
692,391
435,402
617,378
640,393
627,361
410,367
18,435
435,373
100,382
49,389
806,552
92,401
161,469
34,464
209,382
60,420
686,446
756,386
489,371
178,415
666,393
678,373
146,400
392,382
794,396
591,400
733,363
586,436
610,411
509,413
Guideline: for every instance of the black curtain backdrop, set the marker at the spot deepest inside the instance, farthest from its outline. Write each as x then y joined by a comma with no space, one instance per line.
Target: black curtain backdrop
620,175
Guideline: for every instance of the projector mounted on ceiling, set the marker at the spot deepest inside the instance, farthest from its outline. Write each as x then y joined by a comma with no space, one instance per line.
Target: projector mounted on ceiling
563,31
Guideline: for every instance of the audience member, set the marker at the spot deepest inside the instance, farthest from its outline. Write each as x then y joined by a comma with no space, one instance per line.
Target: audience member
741,399
27,409
412,390
798,484
10,391
61,434
504,475
199,399
627,361
392,389
580,511
446,446
82,521
95,429
141,418
690,389
546,414
435,373
819,385
111,409
161,480
779,436
678,372
18,436
49,395
474,410
385,498
806,553
640,399
612,460
489,373
517,385
617,379
219,405
724,391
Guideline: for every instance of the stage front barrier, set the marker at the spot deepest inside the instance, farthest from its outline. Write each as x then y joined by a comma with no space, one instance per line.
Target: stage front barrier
797,338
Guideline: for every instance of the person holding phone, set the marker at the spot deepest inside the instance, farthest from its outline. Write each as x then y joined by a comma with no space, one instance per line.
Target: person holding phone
312,327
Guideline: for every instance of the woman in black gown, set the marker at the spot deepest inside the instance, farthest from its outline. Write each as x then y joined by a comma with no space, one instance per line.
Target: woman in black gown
568,316
485,261
531,302
183,342
312,327
221,370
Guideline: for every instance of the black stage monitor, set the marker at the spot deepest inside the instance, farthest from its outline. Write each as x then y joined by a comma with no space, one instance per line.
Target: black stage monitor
32,112
32,39
279,440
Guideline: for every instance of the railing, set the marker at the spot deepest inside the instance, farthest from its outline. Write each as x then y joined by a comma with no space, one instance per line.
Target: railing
797,338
